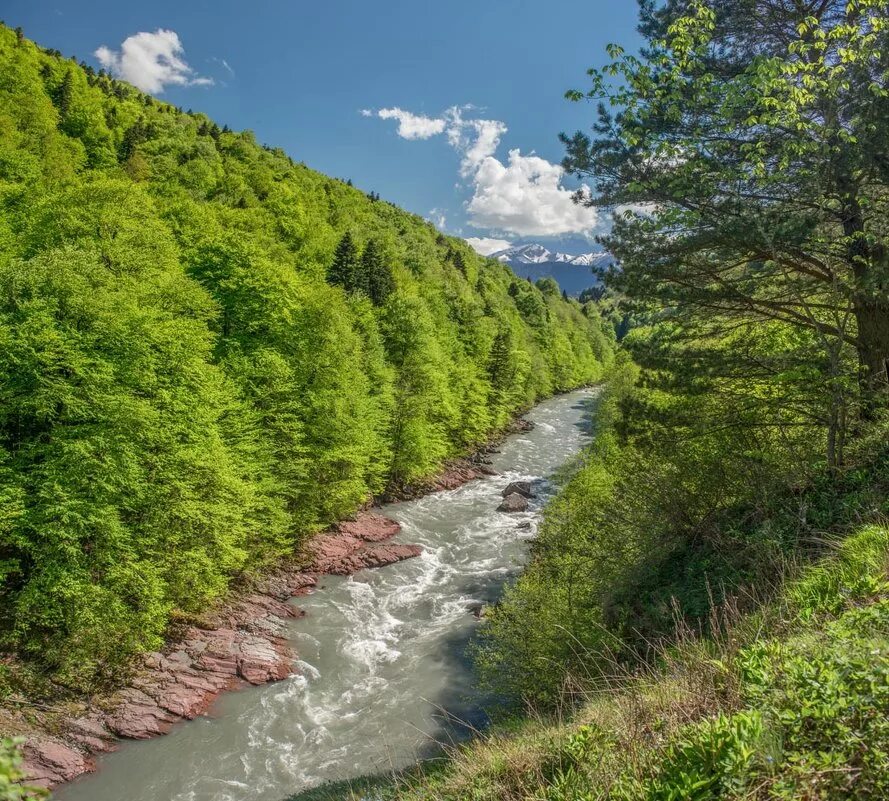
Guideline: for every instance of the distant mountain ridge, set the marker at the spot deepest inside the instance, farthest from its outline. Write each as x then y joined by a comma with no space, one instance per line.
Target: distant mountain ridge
573,273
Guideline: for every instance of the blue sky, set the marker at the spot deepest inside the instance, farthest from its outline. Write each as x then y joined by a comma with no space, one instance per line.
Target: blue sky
449,109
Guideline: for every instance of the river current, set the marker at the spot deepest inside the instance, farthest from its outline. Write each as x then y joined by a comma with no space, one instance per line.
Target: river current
383,673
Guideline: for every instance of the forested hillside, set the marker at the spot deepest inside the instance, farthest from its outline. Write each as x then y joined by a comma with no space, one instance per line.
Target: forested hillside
208,352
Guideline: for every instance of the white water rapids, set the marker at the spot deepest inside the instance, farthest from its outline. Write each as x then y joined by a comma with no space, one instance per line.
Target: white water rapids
383,673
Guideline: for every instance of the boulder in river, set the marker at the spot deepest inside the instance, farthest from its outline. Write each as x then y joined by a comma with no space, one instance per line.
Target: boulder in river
519,487
514,502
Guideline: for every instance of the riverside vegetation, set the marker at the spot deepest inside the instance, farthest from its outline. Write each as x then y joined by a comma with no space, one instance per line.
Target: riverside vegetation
706,615
208,353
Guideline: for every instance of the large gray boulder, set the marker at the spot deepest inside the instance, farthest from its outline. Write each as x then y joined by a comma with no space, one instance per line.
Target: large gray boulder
520,487
514,502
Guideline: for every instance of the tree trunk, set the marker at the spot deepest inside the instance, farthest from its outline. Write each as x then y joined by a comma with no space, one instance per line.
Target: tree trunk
871,307
872,317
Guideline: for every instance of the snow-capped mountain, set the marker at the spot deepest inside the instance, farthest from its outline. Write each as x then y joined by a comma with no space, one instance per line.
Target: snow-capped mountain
538,254
572,273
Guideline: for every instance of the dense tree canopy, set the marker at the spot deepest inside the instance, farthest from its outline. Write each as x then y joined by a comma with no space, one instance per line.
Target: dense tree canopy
746,148
208,352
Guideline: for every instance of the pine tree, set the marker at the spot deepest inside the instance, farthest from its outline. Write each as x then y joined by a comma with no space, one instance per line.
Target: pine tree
343,271
135,135
377,278
459,262
66,95
499,360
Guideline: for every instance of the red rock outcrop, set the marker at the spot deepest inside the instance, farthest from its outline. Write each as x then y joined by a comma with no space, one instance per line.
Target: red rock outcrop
358,544
50,761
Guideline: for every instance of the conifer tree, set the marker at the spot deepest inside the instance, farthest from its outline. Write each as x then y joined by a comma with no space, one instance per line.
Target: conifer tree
344,268
137,133
377,278
66,95
499,369
755,134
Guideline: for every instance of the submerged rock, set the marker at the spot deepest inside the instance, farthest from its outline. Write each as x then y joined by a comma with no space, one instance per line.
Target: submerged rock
513,503
519,487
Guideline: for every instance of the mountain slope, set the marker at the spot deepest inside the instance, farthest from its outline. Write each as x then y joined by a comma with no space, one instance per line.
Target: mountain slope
572,273
185,395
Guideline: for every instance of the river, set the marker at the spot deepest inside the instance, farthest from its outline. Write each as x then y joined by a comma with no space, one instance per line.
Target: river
383,674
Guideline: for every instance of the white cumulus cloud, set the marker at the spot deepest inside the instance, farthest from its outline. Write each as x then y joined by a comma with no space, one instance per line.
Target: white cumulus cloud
475,139
524,196
485,245
151,61
413,126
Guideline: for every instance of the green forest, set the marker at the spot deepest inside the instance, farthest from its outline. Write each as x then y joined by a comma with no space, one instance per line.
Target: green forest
209,352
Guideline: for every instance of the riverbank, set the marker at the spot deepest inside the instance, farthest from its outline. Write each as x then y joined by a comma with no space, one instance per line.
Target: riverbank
789,701
241,643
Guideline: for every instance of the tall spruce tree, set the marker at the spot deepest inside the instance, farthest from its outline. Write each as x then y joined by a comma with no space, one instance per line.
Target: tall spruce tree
376,276
459,262
344,268
66,95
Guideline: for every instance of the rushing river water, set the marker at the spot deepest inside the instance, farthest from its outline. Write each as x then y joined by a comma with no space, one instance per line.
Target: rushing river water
383,672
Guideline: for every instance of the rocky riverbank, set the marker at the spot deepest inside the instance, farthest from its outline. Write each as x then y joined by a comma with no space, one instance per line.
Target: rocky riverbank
241,643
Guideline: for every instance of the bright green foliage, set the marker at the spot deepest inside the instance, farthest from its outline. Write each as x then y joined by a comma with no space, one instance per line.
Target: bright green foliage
208,352
711,760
